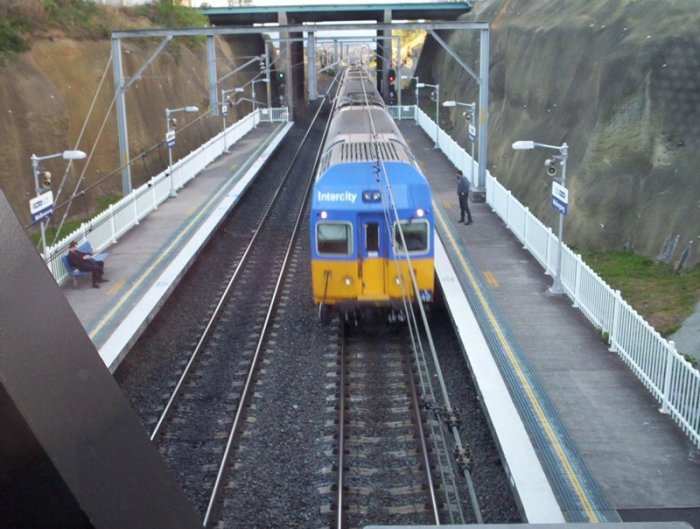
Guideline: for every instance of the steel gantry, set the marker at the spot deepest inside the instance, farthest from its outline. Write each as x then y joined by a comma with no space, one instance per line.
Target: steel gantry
383,30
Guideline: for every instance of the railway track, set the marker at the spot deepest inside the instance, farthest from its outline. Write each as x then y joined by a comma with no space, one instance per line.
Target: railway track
278,470
384,470
202,418
395,462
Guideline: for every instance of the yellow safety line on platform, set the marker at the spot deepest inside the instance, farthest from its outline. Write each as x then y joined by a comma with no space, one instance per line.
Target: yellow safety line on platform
166,253
117,286
447,205
522,378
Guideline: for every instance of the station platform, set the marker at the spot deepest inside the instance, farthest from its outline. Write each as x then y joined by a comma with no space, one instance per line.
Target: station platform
605,447
147,262
608,454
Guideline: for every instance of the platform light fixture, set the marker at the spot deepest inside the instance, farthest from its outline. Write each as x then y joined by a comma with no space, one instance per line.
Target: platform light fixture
252,89
224,107
470,114
408,77
170,140
560,196
437,109
44,186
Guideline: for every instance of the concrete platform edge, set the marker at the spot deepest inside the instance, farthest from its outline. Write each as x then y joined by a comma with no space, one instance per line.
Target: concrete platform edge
129,330
527,477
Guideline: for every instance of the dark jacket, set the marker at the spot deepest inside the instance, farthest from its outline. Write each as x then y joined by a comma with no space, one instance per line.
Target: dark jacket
75,259
463,186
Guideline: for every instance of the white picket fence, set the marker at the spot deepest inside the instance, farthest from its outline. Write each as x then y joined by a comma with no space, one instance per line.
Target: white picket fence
667,375
106,228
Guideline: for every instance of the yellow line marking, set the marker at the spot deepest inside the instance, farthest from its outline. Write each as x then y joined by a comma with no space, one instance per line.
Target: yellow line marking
544,421
447,205
117,286
165,254
490,278
191,209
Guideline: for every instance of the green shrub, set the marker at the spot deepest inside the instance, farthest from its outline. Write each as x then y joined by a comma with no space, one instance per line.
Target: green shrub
12,40
167,14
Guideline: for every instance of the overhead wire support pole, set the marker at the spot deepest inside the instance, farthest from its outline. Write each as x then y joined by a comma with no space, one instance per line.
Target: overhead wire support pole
311,72
120,89
483,135
284,28
122,131
268,64
211,68
479,191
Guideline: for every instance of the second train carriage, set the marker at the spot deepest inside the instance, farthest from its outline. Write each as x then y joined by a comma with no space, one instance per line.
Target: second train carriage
366,177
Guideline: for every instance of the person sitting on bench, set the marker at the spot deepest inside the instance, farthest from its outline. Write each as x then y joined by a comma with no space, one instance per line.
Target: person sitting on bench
85,263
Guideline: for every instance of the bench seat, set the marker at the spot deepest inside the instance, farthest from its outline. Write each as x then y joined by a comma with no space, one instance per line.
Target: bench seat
74,273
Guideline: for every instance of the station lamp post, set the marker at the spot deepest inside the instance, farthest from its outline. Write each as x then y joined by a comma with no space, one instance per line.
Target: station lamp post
471,131
170,140
560,196
408,77
437,109
224,108
252,90
42,206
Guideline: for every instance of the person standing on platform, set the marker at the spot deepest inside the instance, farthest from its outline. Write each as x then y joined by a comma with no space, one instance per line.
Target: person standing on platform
463,194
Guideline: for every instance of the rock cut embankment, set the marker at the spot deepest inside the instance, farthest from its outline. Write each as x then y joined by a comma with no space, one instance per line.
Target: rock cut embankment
619,81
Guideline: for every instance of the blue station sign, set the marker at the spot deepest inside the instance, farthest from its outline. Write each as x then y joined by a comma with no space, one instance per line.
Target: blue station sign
560,198
41,207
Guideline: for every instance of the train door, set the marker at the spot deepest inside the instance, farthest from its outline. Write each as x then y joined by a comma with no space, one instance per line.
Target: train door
372,256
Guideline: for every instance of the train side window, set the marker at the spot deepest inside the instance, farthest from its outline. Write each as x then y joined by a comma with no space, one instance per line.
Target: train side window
333,238
416,235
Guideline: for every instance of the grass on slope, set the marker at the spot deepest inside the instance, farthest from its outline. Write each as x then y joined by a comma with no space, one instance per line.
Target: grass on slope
663,297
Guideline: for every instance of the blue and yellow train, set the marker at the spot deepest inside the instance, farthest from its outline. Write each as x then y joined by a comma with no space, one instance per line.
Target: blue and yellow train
372,226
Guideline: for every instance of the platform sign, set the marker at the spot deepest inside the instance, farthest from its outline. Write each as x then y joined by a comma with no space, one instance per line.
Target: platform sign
560,198
472,133
42,206
224,109
170,139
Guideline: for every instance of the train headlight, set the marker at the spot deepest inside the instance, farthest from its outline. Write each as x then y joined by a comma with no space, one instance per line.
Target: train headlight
371,195
323,215
398,280
347,281
420,213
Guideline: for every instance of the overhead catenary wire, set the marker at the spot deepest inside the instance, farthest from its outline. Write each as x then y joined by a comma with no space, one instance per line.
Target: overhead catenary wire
80,193
92,150
413,321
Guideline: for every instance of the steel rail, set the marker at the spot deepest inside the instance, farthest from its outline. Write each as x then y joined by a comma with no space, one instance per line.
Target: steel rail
222,301
263,332
425,451
340,474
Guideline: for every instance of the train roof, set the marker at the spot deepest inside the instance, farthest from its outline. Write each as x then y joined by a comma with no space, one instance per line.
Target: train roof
364,134
358,89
